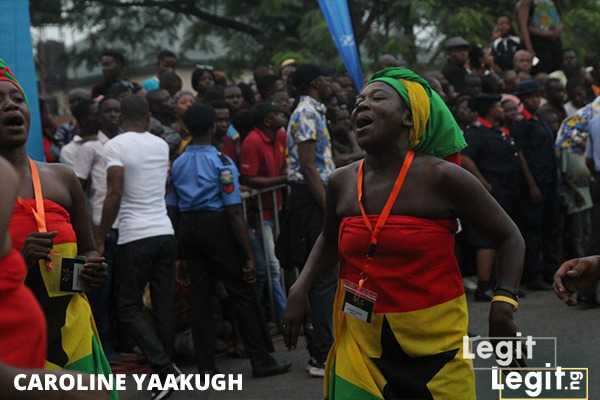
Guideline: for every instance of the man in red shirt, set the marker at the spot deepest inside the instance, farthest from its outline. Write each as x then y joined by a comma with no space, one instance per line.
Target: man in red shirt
263,164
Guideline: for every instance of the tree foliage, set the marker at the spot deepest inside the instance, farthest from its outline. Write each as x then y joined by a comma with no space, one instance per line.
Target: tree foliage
257,32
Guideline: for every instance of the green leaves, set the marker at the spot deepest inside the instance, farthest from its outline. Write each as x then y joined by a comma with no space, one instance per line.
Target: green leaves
254,32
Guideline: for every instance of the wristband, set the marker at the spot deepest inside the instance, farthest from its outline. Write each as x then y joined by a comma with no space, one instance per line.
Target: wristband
506,299
506,292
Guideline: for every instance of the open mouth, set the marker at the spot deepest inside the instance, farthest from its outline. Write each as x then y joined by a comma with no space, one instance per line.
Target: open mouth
14,121
363,121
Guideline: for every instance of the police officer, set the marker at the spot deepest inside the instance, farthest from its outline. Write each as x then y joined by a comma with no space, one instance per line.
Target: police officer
214,240
493,157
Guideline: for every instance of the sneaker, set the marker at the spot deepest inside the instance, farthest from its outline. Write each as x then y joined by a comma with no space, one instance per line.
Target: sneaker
317,371
311,363
171,369
469,284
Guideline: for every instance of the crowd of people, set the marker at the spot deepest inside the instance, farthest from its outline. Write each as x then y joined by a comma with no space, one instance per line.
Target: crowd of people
147,183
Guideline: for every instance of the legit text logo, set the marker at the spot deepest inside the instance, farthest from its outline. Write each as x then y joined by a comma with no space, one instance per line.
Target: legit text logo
513,381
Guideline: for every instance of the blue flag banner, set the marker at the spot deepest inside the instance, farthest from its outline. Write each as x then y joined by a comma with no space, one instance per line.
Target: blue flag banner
337,16
16,49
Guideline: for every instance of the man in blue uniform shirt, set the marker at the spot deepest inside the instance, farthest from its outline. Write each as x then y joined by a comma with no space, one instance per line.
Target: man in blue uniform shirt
214,241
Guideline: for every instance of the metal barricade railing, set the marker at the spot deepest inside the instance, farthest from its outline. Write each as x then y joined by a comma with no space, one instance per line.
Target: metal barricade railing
258,193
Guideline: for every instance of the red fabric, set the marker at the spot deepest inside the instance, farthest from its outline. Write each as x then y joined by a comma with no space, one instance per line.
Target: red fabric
22,223
414,266
47,144
261,156
454,158
231,149
486,123
527,115
22,325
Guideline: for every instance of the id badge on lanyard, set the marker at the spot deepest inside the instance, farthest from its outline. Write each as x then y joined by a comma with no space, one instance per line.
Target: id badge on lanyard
359,302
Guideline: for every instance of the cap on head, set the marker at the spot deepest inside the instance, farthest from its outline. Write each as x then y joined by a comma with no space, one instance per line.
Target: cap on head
527,88
262,110
455,43
483,103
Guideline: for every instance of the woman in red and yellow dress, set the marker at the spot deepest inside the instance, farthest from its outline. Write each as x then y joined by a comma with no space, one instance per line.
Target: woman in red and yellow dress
400,313
50,220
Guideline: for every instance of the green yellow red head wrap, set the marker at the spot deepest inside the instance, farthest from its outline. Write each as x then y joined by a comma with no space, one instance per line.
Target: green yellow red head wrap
434,130
7,75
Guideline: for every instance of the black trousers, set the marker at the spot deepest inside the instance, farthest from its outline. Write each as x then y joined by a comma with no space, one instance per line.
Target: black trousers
152,261
212,251
549,51
541,230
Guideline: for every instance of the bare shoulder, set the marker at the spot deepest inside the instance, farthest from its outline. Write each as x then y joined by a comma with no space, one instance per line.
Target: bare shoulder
443,174
8,173
57,172
343,176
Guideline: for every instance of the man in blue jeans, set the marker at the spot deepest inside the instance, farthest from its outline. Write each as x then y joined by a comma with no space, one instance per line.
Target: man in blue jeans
262,165
309,166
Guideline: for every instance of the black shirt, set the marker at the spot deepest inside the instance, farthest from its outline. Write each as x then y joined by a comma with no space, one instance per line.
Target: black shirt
536,140
504,49
496,155
456,75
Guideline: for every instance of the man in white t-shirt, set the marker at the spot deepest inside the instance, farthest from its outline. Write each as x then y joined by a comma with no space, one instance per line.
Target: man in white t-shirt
137,166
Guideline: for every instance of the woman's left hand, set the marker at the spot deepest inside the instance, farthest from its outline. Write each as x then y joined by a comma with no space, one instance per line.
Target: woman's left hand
94,272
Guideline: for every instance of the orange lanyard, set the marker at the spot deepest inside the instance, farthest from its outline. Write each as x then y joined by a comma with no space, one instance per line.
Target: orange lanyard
385,213
40,212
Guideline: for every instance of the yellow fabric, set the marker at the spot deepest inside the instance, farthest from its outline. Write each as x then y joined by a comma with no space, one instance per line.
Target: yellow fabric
78,329
184,144
51,276
52,367
420,108
423,332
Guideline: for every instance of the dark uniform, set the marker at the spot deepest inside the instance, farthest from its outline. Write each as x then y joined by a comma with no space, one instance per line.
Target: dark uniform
206,182
456,74
539,221
497,156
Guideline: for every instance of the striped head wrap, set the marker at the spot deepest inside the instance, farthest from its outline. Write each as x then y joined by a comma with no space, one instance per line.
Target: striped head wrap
7,75
434,130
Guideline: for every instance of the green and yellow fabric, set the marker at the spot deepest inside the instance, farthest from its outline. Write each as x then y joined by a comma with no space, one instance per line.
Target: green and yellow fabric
435,131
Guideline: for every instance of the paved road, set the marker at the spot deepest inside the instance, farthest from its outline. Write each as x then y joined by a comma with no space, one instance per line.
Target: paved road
578,345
